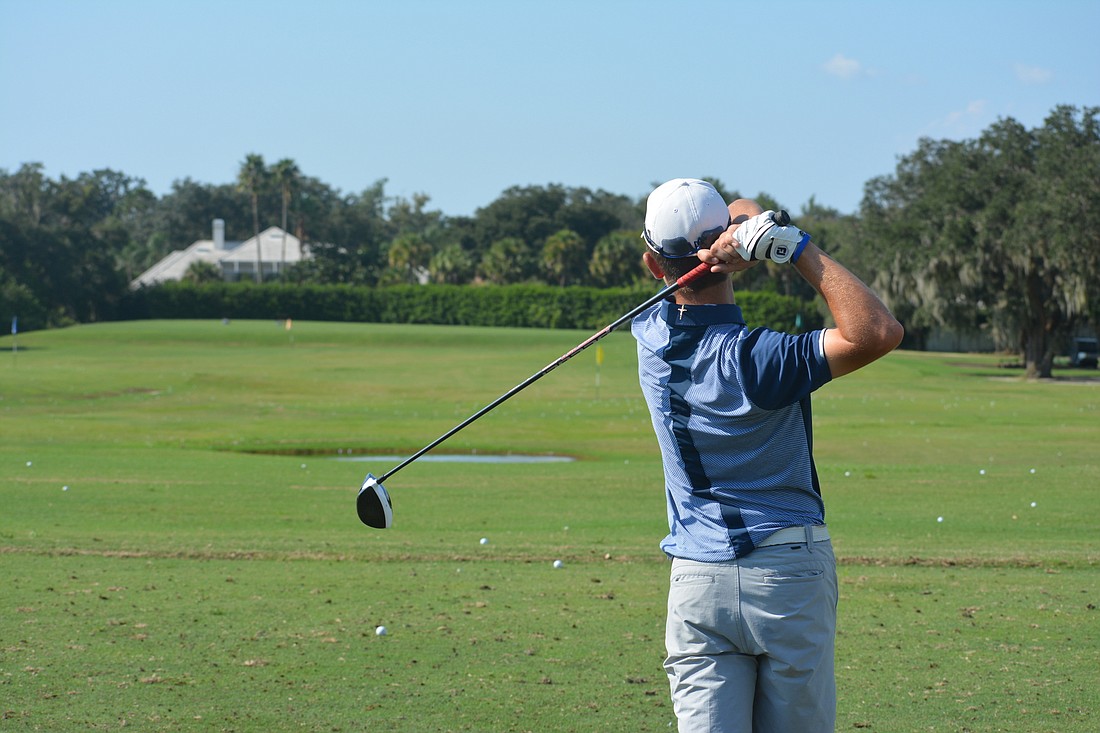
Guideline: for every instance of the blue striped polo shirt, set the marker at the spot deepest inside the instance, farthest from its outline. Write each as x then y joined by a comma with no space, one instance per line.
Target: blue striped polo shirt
731,409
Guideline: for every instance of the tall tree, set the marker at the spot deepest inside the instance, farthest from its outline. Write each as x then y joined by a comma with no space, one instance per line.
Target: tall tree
285,175
1052,252
998,233
252,179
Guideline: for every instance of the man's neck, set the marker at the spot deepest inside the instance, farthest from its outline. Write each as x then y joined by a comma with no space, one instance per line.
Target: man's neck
717,294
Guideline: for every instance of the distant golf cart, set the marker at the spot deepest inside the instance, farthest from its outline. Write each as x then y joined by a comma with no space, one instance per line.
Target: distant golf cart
1085,353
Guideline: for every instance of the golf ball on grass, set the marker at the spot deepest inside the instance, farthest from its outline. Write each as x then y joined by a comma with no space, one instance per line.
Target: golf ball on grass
381,631
484,540
558,565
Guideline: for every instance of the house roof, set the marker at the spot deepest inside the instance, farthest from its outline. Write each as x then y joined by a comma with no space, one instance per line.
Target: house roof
176,263
271,247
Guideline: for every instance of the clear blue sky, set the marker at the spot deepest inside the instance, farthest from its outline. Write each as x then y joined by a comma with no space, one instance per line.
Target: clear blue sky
460,100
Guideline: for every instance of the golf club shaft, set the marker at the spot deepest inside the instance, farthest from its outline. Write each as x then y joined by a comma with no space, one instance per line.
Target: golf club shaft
685,280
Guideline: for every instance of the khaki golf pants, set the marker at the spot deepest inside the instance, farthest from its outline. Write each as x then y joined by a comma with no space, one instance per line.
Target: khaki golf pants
750,642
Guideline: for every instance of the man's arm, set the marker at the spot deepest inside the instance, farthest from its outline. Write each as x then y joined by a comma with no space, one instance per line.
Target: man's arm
865,328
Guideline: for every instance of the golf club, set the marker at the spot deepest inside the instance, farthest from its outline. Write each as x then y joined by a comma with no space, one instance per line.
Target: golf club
373,503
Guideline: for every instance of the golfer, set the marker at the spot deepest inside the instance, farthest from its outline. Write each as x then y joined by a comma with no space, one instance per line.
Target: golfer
753,592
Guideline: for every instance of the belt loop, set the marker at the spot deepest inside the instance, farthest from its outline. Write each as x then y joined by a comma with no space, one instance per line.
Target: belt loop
809,537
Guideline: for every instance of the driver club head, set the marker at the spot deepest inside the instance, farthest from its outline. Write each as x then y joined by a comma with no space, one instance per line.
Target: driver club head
374,505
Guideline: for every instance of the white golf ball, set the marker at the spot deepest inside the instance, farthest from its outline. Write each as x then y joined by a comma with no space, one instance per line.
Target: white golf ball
939,519
1033,504
381,631
1032,470
484,540
981,472
29,463
558,564
66,488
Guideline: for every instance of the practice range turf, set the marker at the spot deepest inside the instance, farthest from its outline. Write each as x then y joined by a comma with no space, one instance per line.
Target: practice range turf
181,552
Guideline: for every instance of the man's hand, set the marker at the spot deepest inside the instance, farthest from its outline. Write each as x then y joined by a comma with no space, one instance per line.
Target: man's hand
723,255
761,238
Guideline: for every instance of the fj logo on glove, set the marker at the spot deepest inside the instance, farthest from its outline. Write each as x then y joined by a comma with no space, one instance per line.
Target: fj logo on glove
762,237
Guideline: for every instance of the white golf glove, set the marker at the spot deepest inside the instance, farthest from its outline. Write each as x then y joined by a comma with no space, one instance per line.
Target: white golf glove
761,238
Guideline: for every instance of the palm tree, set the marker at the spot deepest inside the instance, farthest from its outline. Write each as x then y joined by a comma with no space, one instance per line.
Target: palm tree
451,264
252,178
508,260
564,257
407,256
617,260
285,174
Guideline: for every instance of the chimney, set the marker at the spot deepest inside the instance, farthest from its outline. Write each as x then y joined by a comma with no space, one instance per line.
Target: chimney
219,235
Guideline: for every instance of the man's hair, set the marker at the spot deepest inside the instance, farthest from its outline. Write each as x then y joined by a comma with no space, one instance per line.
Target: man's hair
676,267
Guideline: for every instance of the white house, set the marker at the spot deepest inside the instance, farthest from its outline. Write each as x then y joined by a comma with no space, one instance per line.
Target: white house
237,260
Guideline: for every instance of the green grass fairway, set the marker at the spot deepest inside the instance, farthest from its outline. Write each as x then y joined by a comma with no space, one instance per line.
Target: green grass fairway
181,549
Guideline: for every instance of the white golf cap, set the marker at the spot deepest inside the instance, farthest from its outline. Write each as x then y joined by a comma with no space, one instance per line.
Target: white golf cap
680,214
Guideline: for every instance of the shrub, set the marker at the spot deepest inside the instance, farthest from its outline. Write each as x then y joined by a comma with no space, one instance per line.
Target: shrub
523,306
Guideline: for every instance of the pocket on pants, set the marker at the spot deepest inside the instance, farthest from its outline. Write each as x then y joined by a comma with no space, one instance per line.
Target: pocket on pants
699,611
692,596
689,578
806,575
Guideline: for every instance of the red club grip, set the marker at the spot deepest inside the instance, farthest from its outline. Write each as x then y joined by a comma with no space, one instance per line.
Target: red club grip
692,276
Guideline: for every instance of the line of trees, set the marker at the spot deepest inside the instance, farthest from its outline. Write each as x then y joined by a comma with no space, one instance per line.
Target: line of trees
69,247
997,234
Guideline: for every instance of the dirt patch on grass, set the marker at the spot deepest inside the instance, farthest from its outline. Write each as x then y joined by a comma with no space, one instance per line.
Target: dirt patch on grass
119,393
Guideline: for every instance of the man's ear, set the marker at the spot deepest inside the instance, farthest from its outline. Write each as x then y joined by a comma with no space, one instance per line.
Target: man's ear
653,265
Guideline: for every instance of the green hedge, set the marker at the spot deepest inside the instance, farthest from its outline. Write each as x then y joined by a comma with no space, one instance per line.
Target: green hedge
524,306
